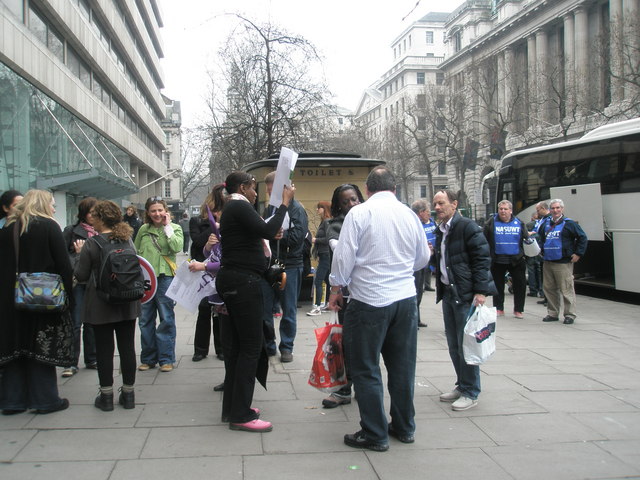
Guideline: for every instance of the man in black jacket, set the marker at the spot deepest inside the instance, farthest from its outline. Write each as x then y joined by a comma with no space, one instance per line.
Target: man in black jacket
462,280
290,253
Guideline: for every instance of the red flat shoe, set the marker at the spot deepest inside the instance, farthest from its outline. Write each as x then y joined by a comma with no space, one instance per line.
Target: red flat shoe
252,426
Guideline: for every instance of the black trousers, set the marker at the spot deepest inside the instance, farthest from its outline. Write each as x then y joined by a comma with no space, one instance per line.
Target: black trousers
242,341
125,336
205,324
518,273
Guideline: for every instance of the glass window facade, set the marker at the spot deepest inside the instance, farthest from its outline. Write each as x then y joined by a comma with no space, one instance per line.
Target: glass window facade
43,145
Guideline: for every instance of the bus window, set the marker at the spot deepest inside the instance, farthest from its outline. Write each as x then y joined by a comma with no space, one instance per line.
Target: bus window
630,173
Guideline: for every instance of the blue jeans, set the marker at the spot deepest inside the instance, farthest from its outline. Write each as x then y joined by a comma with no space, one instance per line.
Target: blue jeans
158,344
393,332
534,271
322,275
289,301
88,338
455,318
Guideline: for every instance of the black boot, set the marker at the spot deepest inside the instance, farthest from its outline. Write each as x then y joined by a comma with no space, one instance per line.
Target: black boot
127,399
104,402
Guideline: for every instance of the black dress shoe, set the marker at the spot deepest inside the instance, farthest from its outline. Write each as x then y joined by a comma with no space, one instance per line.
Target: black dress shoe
422,324
549,318
358,440
9,411
429,289
197,357
568,320
127,399
402,438
542,302
92,365
104,401
64,404
219,387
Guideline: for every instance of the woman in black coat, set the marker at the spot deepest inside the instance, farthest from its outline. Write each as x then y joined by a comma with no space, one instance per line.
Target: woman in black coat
107,318
33,344
80,231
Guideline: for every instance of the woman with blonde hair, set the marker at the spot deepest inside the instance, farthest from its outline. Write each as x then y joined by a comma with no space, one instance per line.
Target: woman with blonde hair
32,344
109,318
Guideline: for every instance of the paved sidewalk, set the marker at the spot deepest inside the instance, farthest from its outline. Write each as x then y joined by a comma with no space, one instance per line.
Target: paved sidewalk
558,401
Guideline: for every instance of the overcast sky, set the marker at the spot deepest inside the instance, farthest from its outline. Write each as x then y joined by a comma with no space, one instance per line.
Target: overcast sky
353,36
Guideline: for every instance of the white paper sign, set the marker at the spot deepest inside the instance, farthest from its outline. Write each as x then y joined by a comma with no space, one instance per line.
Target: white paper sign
188,288
286,165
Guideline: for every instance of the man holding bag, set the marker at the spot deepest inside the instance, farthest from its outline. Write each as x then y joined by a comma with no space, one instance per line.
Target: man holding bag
381,244
462,279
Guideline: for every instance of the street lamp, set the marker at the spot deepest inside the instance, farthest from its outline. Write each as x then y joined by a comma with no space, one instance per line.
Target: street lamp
175,172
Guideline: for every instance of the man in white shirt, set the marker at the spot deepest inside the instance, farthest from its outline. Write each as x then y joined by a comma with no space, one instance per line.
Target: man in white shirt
381,244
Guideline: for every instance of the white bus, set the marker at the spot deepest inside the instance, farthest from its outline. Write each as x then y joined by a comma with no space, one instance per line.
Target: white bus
598,178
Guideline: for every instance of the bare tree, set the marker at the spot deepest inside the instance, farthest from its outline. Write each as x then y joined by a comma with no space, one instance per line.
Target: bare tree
195,163
268,96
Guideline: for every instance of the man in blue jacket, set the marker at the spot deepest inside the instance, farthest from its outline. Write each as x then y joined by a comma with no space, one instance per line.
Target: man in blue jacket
563,243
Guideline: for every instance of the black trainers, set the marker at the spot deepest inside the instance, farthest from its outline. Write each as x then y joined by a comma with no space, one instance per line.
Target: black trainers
402,438
568,320
549,318
358,440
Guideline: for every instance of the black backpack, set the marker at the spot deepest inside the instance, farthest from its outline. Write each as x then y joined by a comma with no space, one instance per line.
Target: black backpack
120,278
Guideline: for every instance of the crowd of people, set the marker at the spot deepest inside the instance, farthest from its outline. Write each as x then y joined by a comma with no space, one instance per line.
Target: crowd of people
375,258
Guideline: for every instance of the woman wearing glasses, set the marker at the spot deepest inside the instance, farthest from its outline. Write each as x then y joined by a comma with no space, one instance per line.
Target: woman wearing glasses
240,282
158,241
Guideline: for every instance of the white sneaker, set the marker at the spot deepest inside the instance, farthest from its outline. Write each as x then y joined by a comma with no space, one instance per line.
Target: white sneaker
451,396
315,311
464,403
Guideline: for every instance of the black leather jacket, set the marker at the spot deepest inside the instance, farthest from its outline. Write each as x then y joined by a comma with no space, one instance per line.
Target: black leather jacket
467,258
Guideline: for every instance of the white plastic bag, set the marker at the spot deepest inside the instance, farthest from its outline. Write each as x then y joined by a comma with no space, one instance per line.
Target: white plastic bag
479,341
530,247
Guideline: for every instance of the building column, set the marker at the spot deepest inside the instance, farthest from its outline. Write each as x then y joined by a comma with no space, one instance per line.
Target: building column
581,23
631,24
569,56
542,74
501,81
615,50
532,81
510,83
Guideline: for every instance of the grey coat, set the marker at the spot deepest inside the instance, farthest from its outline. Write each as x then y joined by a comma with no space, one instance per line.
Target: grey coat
95,310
